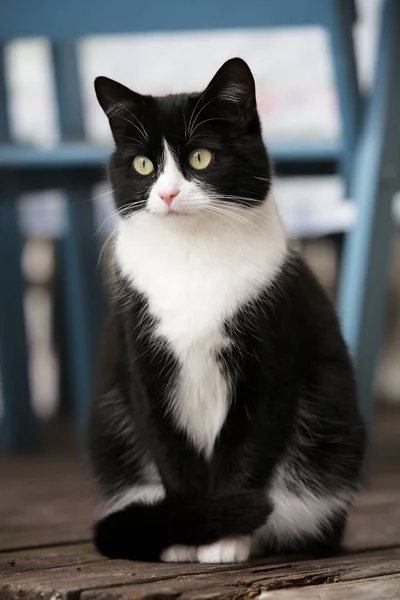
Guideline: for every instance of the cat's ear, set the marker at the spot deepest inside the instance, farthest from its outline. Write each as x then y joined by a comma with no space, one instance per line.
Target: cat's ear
119,103
233,84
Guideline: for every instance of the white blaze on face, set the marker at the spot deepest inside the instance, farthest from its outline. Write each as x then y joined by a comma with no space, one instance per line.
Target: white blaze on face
172,193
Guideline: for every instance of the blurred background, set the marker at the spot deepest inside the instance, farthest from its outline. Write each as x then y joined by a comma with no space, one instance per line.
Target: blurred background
56,210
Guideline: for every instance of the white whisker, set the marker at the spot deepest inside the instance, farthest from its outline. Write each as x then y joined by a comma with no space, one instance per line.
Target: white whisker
105,246
231,211
185,123
194,110
128,137
139,123
199,113
267,179
224,216
207,121
119,211
104,194
113,112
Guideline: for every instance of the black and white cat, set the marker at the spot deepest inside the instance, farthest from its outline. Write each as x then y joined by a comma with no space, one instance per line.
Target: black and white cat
226,422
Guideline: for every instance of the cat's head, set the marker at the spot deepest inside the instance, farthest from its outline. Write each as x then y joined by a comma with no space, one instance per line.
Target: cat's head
187,154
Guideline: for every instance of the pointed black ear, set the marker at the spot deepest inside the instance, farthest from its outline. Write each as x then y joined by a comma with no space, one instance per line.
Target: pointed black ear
234,84
111,94
120,104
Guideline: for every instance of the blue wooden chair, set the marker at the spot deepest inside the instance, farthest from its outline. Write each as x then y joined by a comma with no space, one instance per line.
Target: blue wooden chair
75,165
374,180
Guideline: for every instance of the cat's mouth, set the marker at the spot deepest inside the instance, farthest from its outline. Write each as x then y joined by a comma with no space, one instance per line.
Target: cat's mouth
173,212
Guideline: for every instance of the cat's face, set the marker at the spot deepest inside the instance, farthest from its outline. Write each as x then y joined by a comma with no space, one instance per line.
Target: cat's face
187,154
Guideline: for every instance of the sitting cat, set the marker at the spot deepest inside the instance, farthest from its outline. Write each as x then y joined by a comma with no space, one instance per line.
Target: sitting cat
226,420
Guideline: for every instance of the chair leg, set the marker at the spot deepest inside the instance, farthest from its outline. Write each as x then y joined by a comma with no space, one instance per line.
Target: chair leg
366,257
60,331
83,290
83,301
341,15
18,426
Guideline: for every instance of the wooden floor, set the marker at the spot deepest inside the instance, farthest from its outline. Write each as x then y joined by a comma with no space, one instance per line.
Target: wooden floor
46,503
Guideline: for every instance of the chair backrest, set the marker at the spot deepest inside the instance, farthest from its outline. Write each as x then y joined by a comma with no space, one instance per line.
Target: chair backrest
63,25
77,18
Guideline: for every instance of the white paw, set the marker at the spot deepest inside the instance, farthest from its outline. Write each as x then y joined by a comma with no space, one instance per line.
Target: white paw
229,550
179,554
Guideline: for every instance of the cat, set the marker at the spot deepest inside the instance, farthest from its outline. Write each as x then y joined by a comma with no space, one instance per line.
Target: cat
225,423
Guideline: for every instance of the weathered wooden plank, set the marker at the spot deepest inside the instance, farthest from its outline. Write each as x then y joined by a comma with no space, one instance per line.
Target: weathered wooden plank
379,588
44,498
110,580
38,559
376,529
71,581
169,590
377,501
48,501
215,593
251,581
35,537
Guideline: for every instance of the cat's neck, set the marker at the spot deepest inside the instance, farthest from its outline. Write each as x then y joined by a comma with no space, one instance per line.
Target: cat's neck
223,256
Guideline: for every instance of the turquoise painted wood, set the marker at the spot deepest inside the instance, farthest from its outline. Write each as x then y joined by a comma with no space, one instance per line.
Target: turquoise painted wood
366,259
79,18
75,165
82,155
127,16
18,426
81,277
342,17
83,302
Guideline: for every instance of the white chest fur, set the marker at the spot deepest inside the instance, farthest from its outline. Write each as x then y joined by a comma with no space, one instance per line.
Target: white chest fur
195,275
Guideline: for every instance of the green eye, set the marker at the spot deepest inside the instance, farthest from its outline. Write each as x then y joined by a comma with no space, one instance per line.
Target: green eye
200,159
143,165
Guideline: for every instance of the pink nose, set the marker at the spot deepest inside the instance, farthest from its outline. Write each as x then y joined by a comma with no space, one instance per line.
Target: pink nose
168,196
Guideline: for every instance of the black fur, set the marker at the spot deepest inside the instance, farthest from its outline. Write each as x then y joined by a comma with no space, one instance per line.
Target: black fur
293,394
144,531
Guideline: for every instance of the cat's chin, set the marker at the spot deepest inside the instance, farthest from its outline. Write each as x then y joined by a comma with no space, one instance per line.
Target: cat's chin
176,213
175,216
